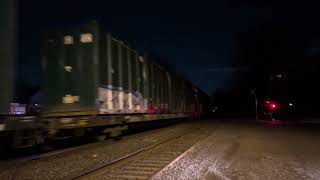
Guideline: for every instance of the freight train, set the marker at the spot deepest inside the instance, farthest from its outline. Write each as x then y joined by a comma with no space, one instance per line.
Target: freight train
95,83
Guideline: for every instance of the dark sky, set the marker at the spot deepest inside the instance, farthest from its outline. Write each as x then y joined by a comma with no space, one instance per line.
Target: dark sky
202,40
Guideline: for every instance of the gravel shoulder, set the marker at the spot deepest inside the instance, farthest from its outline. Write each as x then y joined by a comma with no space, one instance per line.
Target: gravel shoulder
149,162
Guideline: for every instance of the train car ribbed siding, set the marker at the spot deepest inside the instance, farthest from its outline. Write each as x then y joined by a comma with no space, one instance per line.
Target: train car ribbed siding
146,83
159,89
114,59
162,89
125,68
120,66
180,87
155,82
174,95
133,59
177,95
129,73
120,103
88,71
169,93
104,60
89,59
109,55
157,74
53,71
141,78
183,96
152,84
69,54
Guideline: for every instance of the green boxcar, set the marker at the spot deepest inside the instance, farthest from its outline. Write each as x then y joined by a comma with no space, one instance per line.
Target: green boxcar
71,68
89,72
7,52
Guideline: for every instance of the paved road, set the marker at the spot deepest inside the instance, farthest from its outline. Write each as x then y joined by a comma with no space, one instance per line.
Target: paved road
250,151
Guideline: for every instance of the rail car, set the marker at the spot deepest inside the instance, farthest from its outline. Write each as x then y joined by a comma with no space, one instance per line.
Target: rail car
96,83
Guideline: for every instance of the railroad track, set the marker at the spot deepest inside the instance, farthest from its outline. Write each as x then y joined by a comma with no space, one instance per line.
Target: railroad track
6,164
13,162
147,161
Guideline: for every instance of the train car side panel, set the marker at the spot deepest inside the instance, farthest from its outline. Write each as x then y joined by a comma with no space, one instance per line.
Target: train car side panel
71,64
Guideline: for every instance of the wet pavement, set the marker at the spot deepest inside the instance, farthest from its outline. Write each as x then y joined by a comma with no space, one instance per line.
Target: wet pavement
250,151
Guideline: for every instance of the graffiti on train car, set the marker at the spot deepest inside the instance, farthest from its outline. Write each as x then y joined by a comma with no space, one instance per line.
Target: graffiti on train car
112,101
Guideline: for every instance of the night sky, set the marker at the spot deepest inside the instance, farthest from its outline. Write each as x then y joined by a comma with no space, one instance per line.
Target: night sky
210,44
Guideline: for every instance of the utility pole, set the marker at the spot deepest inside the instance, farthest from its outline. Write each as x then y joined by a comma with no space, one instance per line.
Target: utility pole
8,31
254,93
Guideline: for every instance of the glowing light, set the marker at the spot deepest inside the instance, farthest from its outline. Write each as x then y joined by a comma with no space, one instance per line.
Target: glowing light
272,105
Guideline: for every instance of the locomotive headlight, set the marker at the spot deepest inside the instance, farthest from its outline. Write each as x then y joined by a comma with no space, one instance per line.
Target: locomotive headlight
291,104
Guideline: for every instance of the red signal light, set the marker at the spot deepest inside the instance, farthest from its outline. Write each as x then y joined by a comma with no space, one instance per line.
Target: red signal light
272,105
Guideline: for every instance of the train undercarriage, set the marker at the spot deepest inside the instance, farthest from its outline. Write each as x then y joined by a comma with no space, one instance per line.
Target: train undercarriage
28,131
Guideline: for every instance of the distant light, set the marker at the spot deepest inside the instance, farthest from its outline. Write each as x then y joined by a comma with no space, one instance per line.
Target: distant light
290,104
279,76
272,105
